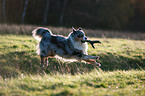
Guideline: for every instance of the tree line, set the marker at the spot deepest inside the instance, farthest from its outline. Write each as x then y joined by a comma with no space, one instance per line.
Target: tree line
98,14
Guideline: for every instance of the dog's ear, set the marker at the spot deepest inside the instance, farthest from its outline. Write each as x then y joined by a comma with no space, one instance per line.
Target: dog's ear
74,30
80,28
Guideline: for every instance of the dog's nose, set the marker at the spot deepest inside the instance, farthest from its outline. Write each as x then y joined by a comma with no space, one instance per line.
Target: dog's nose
84,38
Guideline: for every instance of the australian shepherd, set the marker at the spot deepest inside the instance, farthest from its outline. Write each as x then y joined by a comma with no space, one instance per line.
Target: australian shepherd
71,47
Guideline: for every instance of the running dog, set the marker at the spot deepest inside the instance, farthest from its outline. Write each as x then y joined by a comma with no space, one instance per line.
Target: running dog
72,47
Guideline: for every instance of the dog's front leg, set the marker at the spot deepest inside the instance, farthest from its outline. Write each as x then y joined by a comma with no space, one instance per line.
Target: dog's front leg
91,59
87,57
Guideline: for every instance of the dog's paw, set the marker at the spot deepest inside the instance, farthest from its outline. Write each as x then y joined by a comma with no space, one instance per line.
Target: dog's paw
98,64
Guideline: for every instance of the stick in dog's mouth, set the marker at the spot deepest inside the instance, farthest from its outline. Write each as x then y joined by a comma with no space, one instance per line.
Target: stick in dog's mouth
91,42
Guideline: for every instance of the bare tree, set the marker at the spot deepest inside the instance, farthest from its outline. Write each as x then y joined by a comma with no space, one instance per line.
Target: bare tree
0,12
46,12
24,12
4,12
63,11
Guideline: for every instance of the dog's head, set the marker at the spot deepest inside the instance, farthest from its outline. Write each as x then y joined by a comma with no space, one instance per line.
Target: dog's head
78,35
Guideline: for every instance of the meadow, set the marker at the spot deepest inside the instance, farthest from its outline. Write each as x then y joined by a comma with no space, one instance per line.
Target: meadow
122,56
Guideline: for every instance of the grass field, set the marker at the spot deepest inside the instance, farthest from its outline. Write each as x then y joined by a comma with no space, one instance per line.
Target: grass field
122,71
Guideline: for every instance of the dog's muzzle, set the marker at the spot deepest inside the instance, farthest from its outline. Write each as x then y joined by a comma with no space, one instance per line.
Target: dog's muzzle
84,39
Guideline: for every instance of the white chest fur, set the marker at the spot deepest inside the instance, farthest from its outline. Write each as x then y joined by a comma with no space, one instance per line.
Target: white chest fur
79,45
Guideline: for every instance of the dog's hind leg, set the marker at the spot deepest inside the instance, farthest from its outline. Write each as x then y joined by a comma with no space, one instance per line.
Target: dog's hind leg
42,61
47,61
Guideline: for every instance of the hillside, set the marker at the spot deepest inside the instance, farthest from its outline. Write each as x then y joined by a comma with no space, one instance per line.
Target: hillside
122,71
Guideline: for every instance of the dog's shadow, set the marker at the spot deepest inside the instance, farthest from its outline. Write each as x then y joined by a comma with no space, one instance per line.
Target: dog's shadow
15,63
65,67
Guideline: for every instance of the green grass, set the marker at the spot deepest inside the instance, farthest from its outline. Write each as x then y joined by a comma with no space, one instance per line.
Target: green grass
121,73
93,83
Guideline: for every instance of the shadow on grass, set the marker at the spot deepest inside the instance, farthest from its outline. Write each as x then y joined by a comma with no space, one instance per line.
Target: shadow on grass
113,61
16,63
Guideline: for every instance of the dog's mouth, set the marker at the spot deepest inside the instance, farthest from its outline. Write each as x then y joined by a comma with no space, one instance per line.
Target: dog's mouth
83,41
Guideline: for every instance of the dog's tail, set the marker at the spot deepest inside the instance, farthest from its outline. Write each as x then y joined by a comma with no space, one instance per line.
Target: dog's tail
39,32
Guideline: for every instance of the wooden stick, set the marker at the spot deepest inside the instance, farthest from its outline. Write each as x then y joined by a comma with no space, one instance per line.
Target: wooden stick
92,42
